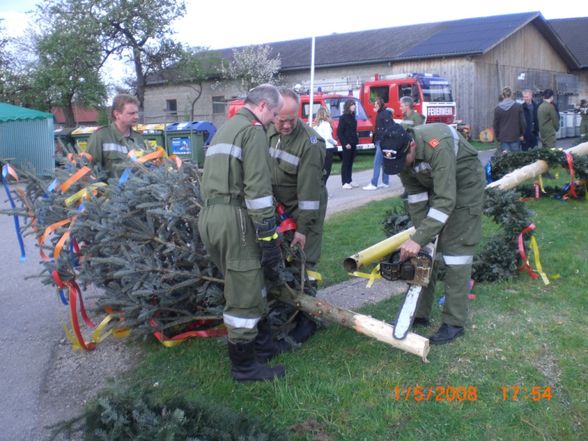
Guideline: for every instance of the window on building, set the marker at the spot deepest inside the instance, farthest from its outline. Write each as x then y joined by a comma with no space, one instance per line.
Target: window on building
219,104
171,107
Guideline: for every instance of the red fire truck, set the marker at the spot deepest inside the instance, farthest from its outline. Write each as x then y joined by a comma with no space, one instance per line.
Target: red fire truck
334,103
431,94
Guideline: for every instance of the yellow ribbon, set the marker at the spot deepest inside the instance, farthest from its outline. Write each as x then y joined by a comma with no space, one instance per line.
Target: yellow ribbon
83,193
315,275
372,277
535,248
541,184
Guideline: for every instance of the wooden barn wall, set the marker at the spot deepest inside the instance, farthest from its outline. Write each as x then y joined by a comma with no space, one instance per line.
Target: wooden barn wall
525,60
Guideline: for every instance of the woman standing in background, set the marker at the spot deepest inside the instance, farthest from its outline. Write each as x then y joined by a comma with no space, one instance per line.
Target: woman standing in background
347,134
322,125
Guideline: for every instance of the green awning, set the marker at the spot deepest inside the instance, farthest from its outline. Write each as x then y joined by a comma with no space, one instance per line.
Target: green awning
8,112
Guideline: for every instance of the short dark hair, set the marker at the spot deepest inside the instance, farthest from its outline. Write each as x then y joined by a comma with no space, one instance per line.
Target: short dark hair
119,101
264,92
347,106
547,93
380,102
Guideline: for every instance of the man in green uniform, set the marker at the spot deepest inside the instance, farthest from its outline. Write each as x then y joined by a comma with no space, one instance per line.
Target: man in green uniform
444,180
238,229
110,145
410,117
298,157
548,119
583,110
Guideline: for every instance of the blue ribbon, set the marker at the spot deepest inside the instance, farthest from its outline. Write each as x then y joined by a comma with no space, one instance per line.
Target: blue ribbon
124,177
62,297
488,169
23,256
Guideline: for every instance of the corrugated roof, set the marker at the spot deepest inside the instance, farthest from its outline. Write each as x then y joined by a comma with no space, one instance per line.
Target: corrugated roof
574,33
472,36
8,112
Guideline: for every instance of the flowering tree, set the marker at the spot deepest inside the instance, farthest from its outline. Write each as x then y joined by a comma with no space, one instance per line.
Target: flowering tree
253,65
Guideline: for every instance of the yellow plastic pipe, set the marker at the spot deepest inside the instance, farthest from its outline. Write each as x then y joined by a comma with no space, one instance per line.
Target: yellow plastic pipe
377,252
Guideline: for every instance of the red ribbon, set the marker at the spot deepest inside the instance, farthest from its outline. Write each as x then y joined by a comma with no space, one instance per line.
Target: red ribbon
572,191
216,332
73,288
525,265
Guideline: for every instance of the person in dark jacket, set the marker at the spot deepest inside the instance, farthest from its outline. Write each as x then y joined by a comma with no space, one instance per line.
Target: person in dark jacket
509,123
347,134
532,128
382,114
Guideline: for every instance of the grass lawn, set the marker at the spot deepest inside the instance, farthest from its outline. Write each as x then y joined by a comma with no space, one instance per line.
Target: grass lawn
363,161
482,145
341,386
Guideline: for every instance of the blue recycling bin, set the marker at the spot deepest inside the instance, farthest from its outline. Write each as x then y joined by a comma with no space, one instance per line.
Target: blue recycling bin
188,139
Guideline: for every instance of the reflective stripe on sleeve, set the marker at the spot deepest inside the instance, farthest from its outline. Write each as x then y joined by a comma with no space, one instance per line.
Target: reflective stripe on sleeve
308,205
111,147
455,139
240,322
437,215
225,149
422,166
419,197
259,203
284,156
458,260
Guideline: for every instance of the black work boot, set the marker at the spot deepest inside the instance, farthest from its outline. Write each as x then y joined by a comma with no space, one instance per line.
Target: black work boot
245,366
421,321
446,334
305,327
265,346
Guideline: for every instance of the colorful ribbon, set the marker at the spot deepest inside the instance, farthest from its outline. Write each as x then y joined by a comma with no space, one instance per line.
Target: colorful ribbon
7,170
372,277
217,331
572,191
526,266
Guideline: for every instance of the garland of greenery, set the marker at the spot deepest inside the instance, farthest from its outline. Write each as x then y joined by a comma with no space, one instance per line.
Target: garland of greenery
499,257
121,417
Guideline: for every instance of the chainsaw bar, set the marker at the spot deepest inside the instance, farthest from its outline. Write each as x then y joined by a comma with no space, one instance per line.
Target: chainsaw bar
406,314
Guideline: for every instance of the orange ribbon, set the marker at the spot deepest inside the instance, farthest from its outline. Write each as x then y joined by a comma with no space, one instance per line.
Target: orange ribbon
74,178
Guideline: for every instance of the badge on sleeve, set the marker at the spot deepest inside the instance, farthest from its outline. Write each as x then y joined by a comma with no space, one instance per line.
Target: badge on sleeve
434,142
313,139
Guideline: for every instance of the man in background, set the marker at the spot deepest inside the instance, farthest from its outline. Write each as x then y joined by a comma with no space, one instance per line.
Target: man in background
532,128
509,123
110,145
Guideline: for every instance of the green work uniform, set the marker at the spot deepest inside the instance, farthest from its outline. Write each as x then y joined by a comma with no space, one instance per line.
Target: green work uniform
584,124
237,192
297,180
548,120
445,187
110,148
412,119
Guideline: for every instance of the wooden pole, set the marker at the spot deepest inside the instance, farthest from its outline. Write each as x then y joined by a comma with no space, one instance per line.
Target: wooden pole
533,170
363,324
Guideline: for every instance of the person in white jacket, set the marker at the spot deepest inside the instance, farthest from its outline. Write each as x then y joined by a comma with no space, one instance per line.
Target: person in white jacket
322,125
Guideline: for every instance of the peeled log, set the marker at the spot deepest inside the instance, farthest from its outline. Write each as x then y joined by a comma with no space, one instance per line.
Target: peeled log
531,171
363,324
